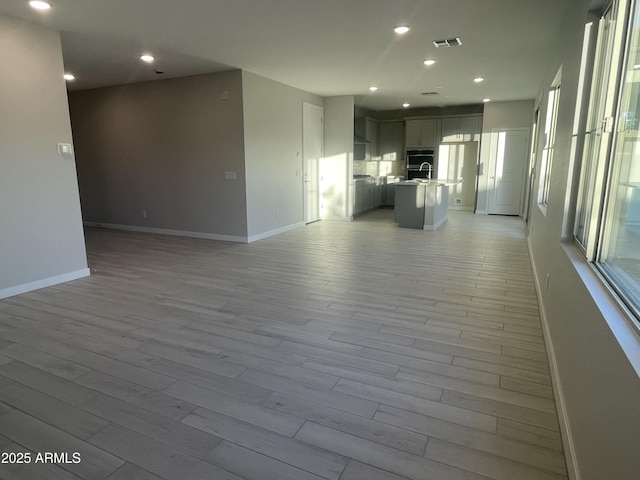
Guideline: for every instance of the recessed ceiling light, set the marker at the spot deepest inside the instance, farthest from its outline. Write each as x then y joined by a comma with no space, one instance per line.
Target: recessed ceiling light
406,105
636,67
147,58
373,88
429,62
38,5
69,77
486,100
400,29
478,79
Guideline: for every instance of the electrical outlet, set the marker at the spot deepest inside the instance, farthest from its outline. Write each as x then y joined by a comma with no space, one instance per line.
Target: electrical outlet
144,214
229,175
457,201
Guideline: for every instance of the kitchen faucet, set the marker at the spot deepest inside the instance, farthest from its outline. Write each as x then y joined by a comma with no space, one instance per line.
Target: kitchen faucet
428,171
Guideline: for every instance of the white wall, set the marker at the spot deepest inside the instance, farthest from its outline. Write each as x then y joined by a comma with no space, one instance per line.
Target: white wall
499,115
163,148
336,168
273,154
41,237
595,349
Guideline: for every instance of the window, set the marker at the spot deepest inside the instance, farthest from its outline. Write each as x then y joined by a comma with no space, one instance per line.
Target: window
619,253
596,137
607,227
553,101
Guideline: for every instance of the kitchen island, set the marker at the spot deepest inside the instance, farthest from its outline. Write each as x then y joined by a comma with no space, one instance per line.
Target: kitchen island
421,204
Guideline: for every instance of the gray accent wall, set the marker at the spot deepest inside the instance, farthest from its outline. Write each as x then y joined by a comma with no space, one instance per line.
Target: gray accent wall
41,236
595,349
273,154
217,156
157,156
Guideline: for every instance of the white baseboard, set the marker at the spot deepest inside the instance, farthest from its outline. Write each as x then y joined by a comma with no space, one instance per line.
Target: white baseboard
206,236
164,231
436,225
482,212
45,282
558,394
276,231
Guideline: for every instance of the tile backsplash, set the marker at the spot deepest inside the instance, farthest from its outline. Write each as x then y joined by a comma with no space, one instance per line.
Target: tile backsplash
378,168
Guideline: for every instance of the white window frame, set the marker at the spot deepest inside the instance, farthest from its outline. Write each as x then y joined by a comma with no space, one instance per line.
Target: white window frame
550,124
594,193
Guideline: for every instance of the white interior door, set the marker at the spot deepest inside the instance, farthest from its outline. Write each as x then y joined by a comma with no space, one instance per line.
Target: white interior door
509,152
312,140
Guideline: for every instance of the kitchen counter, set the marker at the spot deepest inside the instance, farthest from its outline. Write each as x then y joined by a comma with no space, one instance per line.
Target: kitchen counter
373,192
421,204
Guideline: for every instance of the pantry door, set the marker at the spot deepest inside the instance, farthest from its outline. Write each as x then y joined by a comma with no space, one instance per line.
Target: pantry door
509,151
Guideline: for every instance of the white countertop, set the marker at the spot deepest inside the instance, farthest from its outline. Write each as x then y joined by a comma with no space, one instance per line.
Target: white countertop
419,183
423,181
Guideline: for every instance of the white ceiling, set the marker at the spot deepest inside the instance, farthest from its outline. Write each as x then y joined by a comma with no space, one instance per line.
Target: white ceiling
327,47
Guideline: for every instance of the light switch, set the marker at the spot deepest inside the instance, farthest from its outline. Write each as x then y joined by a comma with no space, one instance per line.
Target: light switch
65,149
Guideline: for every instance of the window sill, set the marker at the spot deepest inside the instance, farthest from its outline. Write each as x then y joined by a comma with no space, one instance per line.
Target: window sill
543,208
615,314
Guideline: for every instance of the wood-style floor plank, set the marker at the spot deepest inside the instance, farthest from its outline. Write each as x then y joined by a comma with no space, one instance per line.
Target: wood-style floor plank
56,413
156,457
336,351
41,437
265,442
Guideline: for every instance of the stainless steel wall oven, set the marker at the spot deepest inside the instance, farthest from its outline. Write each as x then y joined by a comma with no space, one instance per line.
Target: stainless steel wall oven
420,163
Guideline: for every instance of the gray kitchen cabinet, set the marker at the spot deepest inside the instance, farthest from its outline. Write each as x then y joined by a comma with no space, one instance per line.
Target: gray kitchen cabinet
422,133
357,204
413,133
451,130
461,129
371,134
368,197
391,140
377,195
471,127
389,195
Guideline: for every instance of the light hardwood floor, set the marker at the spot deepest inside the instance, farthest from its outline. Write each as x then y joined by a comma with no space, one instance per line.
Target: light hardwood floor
351,351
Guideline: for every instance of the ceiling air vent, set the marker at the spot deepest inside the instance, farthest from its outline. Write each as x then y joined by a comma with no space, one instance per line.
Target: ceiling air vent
449,42
430,93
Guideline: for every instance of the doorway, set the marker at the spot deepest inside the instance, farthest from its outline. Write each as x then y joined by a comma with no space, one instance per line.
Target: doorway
509,152
312,142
